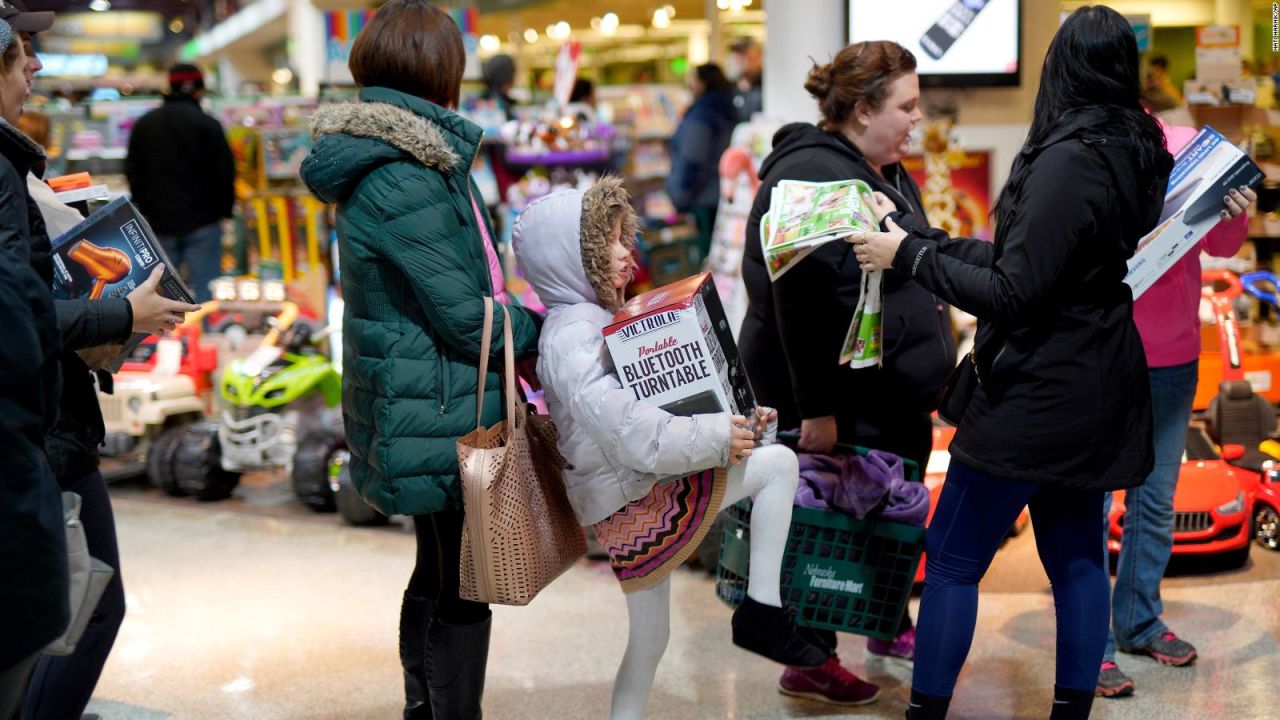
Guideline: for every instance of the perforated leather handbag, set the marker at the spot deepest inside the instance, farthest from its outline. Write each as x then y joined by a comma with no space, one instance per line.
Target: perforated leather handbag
519,531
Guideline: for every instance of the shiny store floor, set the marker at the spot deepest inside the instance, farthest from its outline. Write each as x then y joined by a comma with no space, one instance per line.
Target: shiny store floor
254,608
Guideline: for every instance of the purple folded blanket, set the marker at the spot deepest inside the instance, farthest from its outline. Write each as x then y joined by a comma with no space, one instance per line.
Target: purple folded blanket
873,484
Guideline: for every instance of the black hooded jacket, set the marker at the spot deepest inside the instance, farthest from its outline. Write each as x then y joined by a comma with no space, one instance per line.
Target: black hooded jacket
1064,397
180,169
72,443
794,328
33,552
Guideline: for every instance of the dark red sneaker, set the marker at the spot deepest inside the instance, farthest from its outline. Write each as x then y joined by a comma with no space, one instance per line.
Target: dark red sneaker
830,684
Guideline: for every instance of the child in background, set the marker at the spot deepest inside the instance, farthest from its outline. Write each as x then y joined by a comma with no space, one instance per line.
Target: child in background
574,248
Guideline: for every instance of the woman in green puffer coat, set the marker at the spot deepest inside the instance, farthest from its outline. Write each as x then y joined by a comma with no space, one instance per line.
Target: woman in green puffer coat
417,260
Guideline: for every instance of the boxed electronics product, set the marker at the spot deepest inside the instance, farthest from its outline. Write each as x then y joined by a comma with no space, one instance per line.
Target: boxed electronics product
672,347
1203,173
108,255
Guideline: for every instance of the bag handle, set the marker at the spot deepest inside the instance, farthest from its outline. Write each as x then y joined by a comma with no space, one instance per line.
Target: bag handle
509,358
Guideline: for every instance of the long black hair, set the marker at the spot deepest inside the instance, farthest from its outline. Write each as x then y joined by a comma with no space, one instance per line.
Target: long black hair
1091,79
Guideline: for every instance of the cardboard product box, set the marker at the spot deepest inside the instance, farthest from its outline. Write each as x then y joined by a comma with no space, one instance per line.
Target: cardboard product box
673,347
109,255
1203,172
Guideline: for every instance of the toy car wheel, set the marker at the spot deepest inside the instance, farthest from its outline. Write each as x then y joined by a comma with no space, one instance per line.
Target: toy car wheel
351,506
160,462
197,464
311,472
1266,526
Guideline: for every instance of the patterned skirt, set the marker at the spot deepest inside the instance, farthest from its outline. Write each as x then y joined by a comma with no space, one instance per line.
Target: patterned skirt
652,536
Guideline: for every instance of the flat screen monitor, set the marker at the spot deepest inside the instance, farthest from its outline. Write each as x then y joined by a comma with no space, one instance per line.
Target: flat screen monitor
957,43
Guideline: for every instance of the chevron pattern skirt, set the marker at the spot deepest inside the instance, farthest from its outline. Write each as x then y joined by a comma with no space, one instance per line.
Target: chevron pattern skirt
652,536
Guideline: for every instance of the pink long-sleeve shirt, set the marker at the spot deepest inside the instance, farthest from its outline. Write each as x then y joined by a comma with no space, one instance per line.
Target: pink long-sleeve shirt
1167,314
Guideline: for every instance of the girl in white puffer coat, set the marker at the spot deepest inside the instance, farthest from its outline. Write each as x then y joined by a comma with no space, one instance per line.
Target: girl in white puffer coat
575,248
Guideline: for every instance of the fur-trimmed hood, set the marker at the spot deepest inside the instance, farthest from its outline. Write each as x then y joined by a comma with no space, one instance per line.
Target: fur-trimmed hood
561,243
386,126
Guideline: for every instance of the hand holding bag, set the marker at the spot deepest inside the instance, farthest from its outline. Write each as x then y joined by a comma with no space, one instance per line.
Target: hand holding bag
958,390
519,532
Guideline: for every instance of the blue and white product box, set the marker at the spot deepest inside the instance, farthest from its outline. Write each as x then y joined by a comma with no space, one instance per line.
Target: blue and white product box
1203,173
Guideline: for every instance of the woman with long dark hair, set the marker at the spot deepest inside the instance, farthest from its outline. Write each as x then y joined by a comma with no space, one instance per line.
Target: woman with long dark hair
1061,413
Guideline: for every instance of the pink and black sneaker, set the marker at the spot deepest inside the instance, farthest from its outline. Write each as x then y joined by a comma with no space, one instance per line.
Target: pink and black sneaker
1168,649
903,646
1112,682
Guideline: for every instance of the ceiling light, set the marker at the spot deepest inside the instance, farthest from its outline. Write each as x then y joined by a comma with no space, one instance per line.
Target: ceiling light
531,36
176,26
282,76
609,24
100,5
660,19
669,10
562,30
490,43
722,4
595,23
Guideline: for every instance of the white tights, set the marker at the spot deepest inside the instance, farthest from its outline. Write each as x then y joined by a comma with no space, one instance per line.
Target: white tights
770,475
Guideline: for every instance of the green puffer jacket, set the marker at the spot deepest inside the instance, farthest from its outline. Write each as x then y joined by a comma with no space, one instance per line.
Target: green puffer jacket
414,278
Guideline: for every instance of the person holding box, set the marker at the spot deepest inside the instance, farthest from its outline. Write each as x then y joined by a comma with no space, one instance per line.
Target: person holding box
1168,320
648,482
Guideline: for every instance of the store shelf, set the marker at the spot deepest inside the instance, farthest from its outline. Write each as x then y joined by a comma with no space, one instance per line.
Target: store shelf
559,159
99,154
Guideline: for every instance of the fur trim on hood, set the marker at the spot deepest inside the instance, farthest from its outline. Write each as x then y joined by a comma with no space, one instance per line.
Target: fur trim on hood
412,133
601,206
561,241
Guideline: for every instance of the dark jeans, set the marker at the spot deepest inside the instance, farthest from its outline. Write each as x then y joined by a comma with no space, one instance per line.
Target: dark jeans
61,686
435,574
201,251
13,682
973,517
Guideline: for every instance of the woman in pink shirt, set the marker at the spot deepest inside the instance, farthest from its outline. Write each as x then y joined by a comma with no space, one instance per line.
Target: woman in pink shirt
1168,320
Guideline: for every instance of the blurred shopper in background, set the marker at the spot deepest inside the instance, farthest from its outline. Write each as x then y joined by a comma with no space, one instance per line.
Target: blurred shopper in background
701,138
182,178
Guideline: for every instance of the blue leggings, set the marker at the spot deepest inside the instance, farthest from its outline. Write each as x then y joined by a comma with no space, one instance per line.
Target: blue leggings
973,517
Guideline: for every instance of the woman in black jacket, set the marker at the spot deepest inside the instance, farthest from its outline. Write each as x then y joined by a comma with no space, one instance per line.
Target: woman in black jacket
1062,409
795,326
62,686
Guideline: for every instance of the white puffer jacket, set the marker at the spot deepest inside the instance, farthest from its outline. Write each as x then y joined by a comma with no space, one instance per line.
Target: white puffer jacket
616,446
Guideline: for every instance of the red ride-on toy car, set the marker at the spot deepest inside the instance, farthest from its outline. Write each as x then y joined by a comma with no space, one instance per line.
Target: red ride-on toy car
1213,505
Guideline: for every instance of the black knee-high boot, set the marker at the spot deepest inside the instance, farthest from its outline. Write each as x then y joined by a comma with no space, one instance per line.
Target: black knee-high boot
1071,704
459,654
415,619
927,707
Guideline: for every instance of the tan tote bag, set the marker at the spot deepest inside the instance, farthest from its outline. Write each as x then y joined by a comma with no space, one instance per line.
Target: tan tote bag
519,532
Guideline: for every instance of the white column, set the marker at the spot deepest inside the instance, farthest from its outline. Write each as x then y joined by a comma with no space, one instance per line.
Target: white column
229,77
716,38
306,46
795,31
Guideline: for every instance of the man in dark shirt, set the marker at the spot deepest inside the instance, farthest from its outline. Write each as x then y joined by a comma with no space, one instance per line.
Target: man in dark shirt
182,178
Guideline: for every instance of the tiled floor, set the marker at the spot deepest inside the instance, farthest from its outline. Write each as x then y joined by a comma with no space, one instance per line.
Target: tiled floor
236,614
